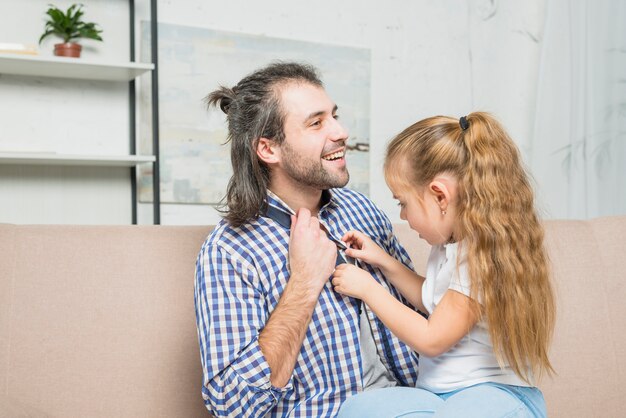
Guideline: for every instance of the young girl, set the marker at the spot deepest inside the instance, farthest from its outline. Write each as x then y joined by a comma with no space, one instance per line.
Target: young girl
461,185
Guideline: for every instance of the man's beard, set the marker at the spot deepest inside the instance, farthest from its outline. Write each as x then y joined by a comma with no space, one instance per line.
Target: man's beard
310,172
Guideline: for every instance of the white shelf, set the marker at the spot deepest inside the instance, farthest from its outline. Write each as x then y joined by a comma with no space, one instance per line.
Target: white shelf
32,158
75,68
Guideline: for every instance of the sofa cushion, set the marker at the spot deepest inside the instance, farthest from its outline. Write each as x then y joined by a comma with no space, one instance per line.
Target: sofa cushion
11,408
103,322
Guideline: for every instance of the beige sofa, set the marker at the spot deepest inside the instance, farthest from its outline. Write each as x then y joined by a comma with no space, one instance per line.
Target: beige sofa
98,321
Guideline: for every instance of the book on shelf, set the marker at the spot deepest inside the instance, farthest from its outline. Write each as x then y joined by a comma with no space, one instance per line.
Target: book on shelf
15,48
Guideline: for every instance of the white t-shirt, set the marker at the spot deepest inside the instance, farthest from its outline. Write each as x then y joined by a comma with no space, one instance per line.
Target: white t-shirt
472,359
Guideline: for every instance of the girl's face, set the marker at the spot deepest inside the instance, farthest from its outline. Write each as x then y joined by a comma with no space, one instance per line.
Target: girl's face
428,210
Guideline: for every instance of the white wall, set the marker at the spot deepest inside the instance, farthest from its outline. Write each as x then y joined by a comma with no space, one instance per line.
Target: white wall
428,57
443,57
65,116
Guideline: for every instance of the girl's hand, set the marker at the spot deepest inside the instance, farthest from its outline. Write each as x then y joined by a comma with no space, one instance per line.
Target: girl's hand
350,280
362,247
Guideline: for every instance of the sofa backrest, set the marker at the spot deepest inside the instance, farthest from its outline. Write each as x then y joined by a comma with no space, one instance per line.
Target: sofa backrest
99,321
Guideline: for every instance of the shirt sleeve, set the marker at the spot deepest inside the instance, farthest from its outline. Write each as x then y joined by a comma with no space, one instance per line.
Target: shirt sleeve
460,279
230,312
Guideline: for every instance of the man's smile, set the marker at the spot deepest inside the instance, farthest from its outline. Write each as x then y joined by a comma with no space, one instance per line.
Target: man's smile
334,155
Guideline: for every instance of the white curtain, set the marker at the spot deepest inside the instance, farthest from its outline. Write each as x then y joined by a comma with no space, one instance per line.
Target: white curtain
578,149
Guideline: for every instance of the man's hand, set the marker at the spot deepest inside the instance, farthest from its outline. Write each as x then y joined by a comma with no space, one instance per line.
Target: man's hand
312,255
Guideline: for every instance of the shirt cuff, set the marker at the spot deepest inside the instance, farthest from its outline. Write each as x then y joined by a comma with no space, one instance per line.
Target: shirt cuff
252,367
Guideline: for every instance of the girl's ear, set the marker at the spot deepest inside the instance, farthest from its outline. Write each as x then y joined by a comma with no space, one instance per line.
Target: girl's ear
442,189
267,151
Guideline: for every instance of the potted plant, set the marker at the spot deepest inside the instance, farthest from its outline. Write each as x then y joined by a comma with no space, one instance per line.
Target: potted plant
69,26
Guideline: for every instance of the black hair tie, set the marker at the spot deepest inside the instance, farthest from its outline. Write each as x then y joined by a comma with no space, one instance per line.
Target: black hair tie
464,123
225,104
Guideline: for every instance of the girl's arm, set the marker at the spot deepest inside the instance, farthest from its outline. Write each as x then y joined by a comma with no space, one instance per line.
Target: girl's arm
408,283
452,319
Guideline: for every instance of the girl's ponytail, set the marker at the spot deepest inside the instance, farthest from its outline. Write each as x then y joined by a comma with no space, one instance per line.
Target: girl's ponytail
506,256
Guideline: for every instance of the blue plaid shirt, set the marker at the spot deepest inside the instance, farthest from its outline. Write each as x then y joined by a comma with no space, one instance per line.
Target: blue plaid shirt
240,275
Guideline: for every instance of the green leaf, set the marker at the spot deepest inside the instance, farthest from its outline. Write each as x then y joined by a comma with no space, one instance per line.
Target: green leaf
45,34
69,24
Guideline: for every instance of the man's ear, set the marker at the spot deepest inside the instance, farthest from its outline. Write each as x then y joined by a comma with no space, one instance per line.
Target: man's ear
267,151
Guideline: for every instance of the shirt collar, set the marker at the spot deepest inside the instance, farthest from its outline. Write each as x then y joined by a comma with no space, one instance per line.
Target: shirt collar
329,200
277,202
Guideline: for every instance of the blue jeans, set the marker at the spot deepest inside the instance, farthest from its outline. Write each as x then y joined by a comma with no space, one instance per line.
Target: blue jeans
485,400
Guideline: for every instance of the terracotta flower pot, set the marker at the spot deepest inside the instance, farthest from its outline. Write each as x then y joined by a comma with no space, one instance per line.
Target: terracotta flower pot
69,49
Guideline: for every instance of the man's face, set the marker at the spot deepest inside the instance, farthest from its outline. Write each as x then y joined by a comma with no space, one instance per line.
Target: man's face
313,152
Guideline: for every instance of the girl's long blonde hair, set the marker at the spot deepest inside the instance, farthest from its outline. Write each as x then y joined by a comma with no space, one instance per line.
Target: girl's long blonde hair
497,224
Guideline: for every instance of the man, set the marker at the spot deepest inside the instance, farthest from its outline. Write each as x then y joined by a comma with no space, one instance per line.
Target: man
275,339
